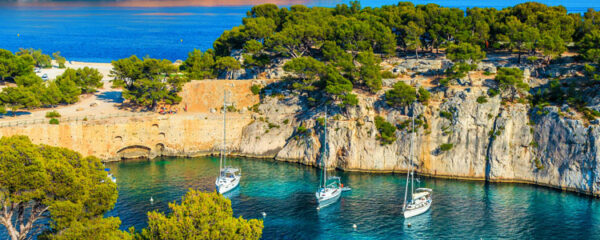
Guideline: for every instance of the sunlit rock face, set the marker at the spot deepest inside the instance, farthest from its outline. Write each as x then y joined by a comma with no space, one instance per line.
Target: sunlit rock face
489,140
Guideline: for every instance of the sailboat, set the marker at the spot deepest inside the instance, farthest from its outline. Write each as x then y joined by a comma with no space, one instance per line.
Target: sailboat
229,177
420,198
330,189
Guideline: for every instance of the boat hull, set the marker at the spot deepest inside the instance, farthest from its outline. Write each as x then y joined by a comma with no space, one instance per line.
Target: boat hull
227,185
326,201
417,211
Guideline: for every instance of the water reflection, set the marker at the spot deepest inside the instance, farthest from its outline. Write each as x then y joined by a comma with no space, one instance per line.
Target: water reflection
285,192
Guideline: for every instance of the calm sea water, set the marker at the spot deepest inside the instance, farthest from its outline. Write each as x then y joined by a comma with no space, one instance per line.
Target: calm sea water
102,34
285,191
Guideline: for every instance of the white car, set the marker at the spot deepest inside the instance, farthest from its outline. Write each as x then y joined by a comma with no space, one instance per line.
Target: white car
37,70
45,77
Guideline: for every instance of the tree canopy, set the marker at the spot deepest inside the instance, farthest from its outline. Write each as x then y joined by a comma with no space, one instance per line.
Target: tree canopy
200,216
43,182
147,82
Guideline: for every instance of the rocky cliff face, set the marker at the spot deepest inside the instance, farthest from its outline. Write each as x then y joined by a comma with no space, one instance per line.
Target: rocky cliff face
490,141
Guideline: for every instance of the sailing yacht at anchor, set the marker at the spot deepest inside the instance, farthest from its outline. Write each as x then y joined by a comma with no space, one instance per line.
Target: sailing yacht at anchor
330,189
420,199
229,177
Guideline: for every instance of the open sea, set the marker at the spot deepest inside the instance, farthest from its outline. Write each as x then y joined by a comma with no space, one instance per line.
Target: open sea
103,33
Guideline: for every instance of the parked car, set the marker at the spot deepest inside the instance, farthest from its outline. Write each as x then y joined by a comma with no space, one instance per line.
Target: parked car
45,77
37,70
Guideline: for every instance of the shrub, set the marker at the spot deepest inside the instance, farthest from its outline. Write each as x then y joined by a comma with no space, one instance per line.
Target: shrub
255,89
54,121
446,115
52,114
402,95
446,147
493,92
387,131
321,121
272,125
424,96
482,99
388,74
538,164
301,129
286,121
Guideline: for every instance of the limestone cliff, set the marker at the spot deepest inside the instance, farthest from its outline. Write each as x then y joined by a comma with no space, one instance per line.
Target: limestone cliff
491,140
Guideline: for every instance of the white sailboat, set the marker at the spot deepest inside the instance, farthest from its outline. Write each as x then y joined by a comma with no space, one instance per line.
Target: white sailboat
420,198
229,177
330,189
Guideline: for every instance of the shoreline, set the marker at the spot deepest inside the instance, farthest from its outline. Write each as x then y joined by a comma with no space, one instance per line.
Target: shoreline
386,172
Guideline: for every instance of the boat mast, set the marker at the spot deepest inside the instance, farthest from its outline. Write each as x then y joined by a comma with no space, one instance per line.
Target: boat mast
224,148
409,172
412,141
324,157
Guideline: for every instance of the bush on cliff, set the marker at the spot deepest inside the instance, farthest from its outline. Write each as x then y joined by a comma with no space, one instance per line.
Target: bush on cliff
387,131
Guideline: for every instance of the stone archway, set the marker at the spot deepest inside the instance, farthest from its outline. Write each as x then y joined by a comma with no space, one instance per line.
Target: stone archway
159,148
133,152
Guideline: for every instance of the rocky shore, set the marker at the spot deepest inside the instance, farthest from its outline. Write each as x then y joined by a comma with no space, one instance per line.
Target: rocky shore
493,140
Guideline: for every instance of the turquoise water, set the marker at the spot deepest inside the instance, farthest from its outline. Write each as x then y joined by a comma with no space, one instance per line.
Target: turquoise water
102,33
285,191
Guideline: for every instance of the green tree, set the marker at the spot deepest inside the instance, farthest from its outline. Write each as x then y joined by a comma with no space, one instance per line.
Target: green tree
200,216
147,82
413,36
41,60
42,182
69,90
590,46
199,65
28,80
465,52
401,95
227,65
12,66
510,81
369,71
306,68
60,60
87,79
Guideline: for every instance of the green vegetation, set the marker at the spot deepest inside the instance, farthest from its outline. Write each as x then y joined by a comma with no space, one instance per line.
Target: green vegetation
482,99
387,131
255,89
200,216
388,74
52,114
40,59
401,95
510,82
446,115
301,130
423,96
32,92
199,65
43,183
54,121
147,82
55,193
538,164
446,147
60,60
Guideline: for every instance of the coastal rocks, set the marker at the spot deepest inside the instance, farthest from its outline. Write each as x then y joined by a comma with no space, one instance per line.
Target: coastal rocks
487,67
423,66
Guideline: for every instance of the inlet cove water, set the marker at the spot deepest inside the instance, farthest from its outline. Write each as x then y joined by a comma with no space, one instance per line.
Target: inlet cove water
102,34
285,192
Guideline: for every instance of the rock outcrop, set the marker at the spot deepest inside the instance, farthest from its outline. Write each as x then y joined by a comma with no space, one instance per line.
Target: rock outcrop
458,136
